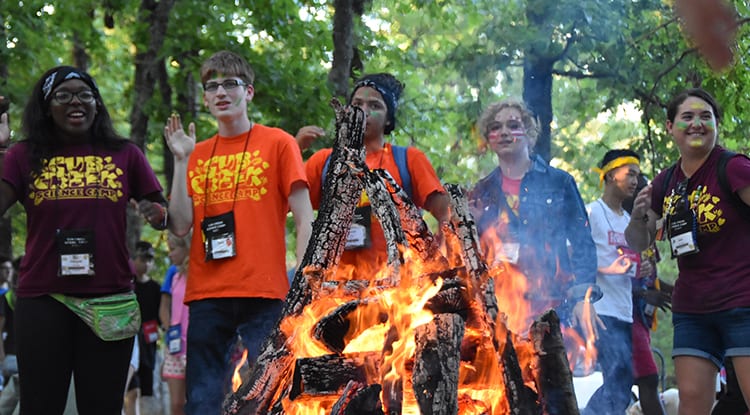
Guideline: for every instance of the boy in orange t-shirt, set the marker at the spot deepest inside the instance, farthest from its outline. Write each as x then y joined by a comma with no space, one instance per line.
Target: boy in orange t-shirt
234,190
377,95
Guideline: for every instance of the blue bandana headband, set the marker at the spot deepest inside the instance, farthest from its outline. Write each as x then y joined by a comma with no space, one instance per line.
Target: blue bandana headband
389,96
66,73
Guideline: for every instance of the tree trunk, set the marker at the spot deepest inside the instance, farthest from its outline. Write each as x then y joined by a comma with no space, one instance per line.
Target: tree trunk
343,43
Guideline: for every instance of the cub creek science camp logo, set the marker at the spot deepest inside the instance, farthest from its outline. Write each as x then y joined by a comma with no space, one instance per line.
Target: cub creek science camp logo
77,177
239,176
709,216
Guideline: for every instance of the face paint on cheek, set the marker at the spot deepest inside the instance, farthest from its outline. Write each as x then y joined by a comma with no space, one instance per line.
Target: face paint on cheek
710,125
681,125
238,101
493,136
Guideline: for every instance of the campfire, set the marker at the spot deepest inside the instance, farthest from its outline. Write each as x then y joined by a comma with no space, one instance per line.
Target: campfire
428,334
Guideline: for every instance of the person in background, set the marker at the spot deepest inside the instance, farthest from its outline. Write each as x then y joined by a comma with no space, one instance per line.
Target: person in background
148,293
530,217
616,265
649,294
708,230
8,361
165,303
175,358
75,177
234,190
378,96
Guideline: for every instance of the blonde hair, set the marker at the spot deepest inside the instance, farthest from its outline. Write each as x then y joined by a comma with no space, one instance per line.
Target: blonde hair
529,122
181,242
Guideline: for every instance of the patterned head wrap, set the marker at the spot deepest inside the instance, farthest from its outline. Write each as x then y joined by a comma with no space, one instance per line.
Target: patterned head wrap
66,73
389,87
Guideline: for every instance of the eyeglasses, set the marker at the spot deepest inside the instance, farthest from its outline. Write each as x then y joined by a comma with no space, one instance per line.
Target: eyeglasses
227,84
65,97
511,124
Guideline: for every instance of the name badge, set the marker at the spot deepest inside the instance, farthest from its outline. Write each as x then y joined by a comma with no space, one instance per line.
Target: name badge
174,339
682,230
359,232
75,251
150,331
219,240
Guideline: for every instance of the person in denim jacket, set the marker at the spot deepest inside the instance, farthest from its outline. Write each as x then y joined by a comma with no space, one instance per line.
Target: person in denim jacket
531,218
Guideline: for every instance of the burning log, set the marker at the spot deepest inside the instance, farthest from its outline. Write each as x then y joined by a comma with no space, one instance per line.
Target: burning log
484,311
553,378
524,399
332,329
418,234
437,361
329,374
359,399
274,364
386,213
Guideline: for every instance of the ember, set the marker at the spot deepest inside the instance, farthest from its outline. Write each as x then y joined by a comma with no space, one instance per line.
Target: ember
422,336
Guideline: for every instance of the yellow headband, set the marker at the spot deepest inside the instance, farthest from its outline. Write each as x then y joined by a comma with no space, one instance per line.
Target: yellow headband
613,164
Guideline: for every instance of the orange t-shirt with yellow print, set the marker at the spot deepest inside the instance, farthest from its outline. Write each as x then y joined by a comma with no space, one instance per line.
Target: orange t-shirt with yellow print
424,183
251,175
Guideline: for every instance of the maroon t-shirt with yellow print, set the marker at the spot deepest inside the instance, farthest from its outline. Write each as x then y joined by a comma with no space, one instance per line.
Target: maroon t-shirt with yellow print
718,276
79,187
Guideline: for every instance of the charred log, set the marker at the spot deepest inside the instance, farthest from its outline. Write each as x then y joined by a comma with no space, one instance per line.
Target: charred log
333,329
554,378
436,364
521,399
329,374
481,285
359,399
386,213
418,234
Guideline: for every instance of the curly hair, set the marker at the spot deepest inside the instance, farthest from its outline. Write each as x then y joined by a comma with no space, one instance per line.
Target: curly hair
532,129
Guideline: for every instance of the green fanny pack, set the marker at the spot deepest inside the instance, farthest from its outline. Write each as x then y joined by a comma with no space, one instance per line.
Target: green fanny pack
112,317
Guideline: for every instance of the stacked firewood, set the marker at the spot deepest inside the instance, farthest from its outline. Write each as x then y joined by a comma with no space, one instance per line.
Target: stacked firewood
465,300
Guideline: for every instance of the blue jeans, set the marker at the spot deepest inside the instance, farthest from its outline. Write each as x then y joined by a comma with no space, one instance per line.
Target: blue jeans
212,329
712,335
615,356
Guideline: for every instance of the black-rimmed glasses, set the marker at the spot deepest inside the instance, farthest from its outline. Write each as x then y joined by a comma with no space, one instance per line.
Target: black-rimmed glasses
65,97
227,84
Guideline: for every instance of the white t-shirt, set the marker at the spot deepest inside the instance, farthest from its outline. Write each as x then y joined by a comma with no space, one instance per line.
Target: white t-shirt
608,232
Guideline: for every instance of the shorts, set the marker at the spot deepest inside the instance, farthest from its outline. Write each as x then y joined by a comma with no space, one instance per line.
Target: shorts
712,336
174,366
643,359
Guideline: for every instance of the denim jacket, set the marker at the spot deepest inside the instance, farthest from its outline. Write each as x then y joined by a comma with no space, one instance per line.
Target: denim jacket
550,214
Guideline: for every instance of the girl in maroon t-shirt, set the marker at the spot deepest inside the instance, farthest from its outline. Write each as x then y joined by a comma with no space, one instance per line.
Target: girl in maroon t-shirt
75,177
708,234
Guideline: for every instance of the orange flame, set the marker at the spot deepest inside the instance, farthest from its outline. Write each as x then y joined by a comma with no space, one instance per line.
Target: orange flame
236,378
388,327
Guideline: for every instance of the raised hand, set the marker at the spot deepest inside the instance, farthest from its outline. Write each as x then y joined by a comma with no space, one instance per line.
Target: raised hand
307,134
180,144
